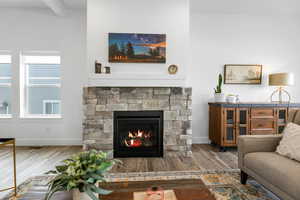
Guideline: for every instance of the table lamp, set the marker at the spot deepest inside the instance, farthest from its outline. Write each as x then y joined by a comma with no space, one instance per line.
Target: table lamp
281,80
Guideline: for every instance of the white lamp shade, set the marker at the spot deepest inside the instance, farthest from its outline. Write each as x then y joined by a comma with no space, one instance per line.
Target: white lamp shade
281,79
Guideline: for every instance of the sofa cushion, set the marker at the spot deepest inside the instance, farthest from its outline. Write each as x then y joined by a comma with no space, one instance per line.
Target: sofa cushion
294,116
290,144
296,119
278,170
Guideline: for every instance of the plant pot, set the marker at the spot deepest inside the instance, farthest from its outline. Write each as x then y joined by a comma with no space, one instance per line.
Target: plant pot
77,195
219,97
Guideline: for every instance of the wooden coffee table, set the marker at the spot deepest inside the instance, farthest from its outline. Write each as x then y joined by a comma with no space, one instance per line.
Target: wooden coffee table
190,189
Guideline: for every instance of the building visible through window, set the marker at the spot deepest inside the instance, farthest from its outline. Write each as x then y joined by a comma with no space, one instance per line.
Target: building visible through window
51,107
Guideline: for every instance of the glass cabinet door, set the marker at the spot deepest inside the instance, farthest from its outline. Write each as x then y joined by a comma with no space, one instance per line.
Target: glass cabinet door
281,119
230,131
242,121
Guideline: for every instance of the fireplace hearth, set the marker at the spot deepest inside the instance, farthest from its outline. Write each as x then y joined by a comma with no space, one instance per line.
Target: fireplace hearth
138,134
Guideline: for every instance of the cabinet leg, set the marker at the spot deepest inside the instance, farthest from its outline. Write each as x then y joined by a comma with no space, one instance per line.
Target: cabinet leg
244,178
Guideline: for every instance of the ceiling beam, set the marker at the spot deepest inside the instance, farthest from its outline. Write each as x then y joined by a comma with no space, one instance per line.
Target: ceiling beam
57,6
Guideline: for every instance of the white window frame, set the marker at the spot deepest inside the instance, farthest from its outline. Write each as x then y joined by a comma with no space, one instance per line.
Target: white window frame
52,102
25,84
6,85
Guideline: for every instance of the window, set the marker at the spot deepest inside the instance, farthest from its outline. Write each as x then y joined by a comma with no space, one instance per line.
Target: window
41,86
5,85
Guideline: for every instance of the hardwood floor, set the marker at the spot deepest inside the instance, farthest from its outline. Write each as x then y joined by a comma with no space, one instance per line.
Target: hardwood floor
36,161
205,157
30,162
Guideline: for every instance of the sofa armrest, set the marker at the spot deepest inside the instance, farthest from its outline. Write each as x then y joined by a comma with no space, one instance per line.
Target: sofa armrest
256,143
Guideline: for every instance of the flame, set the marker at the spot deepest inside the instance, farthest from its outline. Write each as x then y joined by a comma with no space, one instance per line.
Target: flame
130,135
135,138
140,134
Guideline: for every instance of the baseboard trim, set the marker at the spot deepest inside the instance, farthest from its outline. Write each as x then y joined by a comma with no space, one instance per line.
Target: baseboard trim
201,140
48,142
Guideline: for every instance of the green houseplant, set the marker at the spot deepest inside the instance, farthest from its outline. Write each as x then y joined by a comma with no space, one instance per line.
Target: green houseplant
80,173
219,96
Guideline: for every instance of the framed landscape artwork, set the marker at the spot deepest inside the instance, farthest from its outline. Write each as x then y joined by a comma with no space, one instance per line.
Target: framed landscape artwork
137,48
242,74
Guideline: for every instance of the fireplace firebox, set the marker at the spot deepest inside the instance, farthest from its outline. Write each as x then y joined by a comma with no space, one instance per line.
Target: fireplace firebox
138,134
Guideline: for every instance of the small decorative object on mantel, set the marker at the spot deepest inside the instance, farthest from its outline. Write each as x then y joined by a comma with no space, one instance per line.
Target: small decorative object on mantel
98,67
173,69
219,96
242,74
107,69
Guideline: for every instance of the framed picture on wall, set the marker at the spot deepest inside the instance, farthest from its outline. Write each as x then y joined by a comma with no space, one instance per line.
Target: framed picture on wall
242,74
137,48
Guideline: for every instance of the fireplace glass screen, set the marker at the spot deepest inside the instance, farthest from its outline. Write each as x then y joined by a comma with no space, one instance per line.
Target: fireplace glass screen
138,134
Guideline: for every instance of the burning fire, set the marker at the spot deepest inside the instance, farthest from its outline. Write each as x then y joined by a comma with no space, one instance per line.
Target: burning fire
138,138
139,134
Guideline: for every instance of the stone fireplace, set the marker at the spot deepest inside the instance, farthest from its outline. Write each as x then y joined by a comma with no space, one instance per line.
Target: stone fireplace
138,121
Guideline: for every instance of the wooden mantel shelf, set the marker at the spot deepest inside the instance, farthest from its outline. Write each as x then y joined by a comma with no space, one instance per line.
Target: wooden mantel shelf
128,80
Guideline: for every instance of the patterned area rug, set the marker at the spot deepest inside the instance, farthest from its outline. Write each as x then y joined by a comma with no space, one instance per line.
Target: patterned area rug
222,185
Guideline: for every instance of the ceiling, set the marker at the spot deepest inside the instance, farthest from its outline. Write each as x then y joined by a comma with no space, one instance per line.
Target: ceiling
246,6
197,6
39,3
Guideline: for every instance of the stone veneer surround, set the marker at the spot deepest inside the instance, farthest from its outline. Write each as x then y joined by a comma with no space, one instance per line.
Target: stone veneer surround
100,102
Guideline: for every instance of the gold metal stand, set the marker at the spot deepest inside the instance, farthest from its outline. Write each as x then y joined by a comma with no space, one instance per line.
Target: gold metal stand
11,142
280,90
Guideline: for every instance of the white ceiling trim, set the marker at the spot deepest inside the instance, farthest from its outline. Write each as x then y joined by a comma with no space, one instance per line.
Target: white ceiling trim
70,4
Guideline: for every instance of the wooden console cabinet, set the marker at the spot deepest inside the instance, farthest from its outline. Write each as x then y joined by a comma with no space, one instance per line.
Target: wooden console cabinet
228,121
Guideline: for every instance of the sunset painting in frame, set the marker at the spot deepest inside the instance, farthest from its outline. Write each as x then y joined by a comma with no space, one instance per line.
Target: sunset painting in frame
137,48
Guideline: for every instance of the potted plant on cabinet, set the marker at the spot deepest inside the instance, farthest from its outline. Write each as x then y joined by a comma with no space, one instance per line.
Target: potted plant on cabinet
80,174
219,96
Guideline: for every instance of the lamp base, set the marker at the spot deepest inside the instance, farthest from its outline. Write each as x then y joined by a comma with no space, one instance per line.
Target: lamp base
280,91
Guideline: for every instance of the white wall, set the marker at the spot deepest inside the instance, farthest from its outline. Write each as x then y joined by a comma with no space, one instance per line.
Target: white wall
218,39
41,30
138,16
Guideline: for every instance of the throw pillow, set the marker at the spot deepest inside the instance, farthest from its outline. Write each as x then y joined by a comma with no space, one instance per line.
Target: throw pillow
289,146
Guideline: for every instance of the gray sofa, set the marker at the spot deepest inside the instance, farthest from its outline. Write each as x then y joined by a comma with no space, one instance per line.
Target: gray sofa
258,159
